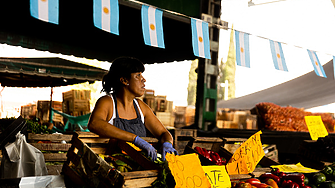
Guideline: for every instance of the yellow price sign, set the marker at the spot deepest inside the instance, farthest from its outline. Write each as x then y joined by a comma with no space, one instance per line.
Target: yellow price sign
187,171
247,156
315,127
294,168
217,176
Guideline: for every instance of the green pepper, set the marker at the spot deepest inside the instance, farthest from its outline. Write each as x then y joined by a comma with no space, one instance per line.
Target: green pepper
327,170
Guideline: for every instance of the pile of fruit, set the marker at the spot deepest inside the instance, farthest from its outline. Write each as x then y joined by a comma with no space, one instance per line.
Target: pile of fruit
289,118
277,179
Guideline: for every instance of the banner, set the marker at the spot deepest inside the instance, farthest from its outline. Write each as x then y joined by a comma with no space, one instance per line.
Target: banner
200,38
152,26
45,10
106,15
242,49
278,55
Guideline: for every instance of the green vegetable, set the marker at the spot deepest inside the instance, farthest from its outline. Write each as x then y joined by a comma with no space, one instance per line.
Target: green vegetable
327,184
327,170
318,178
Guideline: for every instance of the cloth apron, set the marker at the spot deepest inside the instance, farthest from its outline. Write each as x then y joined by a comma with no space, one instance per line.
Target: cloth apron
134,126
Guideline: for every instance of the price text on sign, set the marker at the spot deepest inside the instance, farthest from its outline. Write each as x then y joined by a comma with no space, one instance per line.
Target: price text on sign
217,176
247,156
187,171
315,127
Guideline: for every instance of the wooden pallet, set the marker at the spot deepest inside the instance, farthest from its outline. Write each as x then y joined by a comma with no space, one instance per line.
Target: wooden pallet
51,150
85,167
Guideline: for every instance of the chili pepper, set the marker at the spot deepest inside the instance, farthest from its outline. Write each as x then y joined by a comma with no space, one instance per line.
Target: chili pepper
269,175
253,181
213,157
199,150
206,154
306,186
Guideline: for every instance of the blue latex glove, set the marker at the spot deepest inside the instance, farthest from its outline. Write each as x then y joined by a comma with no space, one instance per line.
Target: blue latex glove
139,142
168,148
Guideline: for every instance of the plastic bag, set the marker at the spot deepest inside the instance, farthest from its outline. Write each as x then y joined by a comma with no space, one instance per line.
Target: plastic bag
20,159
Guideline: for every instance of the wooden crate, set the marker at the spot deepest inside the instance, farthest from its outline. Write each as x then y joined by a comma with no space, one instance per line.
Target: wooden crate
182,137
28,111
77,95
85,167
76,105
50,145
166,118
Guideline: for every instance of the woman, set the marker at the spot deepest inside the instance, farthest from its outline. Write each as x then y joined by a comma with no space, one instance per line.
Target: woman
120,115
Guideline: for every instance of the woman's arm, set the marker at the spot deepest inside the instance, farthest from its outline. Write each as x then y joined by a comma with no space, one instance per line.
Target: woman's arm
154,125
98,122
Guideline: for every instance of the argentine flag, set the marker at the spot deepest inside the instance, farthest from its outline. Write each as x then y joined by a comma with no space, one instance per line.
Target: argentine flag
334,65
242,49
45,10
200,38
106,15
278,55
316,64
152,26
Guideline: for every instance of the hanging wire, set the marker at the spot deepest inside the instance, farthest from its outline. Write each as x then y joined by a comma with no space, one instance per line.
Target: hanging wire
220,26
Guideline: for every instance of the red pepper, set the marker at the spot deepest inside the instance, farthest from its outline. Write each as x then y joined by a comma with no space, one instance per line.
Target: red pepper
253,181
199,150
264,176
286,183
275,171
298,178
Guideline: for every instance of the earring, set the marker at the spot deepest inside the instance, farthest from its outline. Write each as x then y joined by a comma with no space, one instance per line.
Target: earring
127,84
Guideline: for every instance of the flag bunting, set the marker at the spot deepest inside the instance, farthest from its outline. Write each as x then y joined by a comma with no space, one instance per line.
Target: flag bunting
200,38
242,49
152,26
106,15
278,55
45,10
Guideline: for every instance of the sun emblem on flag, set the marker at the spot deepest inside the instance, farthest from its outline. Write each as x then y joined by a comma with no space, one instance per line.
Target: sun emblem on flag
152,27
316,63
106,10
278,56
43,0
200,39
242,49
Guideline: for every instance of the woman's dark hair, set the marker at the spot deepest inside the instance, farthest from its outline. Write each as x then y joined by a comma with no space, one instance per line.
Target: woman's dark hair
121,67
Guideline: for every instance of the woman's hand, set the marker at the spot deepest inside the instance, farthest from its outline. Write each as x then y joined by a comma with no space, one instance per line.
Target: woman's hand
139,142
168,148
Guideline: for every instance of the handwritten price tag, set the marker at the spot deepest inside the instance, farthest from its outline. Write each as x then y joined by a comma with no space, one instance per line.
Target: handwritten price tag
217,176
315,127
247,156
187,170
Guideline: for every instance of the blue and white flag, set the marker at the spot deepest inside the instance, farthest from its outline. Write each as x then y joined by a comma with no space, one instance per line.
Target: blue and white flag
316,64
152,26
200,38
334,65
278,55
242,49
45,10
106,15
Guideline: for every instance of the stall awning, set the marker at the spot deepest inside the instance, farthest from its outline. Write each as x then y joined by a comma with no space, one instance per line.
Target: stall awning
46,72
76,34
306,91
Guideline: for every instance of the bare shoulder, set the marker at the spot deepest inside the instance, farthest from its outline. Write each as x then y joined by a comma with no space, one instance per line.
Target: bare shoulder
144,107
104,101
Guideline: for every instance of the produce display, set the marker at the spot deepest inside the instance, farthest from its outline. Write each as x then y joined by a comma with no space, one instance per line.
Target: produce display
277,118
211,155
277,179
